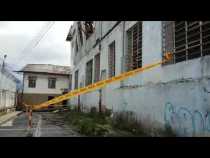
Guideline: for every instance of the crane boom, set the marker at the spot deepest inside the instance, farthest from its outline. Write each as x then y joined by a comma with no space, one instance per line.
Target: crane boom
100,84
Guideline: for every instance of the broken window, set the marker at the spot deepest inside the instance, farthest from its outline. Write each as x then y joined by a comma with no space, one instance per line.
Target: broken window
80,32
76,78
51,83
111,59
89,72
97,68
186,39
32,81
89,28
134,47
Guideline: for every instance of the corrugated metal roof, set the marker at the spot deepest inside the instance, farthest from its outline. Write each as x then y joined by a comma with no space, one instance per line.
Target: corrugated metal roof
47,68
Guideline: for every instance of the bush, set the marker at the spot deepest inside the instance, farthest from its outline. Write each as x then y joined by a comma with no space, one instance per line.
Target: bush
90,128
128,122
108,112
93,110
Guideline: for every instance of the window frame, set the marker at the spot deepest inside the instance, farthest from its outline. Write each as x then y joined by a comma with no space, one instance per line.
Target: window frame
89,81
112,59
97,67
132,62
191,49
76,79
50,83
32,81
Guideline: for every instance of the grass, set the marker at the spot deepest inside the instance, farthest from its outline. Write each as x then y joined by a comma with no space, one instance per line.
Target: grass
90,124
101,124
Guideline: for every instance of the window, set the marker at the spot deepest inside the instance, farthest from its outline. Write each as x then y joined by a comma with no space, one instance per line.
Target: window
111,59
80,32
76,47
134,47
70,82
76,77
97,68
188,39
89,71
51,83
32,81
89,28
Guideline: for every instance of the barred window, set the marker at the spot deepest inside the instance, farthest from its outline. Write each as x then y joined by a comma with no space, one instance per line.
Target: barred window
70,82
51,83
111,59
134,47
89,72
186,39
32,81
97,68
76,77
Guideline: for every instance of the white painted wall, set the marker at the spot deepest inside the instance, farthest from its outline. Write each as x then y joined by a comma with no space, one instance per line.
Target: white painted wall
7,90
177,94
62,82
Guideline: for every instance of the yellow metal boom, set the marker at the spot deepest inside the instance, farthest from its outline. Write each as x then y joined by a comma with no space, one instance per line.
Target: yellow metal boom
100,84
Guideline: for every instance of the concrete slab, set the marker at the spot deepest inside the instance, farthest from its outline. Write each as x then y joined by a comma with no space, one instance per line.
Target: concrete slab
9,116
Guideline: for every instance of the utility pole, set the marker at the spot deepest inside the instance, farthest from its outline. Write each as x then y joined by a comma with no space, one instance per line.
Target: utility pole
3,64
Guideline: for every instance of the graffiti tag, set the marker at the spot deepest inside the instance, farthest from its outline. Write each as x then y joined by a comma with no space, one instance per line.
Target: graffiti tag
185,122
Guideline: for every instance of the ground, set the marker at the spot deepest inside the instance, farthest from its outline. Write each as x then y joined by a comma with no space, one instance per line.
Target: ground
45,124
70,123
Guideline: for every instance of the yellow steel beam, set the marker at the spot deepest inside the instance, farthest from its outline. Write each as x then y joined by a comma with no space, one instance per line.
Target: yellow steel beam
100,84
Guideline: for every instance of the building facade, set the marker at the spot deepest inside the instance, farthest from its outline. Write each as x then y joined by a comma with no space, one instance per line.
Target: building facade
42,82
8,89
176,94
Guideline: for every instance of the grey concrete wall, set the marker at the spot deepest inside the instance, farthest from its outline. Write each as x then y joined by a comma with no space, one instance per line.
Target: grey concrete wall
176,95
33,99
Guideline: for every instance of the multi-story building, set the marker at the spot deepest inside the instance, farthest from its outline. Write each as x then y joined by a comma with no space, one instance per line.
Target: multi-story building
176,94
42,82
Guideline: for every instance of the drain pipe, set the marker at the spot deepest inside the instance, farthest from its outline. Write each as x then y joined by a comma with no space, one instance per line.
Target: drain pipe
100,90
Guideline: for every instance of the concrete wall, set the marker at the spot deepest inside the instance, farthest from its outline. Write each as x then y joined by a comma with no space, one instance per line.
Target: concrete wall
62,82
176,95
33,99
7,90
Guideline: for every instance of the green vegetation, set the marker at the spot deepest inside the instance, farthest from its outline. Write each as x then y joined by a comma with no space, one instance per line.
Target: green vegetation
102,124
90,124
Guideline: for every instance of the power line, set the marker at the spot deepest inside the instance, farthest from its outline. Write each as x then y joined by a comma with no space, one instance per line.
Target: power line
34,42
37,37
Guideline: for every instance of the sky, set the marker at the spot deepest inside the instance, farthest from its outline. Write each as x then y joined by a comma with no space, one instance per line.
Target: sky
23,44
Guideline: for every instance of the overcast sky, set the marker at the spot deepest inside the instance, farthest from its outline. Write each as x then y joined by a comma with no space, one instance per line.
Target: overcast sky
52,49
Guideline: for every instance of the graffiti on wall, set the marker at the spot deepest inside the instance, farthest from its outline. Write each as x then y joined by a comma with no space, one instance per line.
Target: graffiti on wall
186,122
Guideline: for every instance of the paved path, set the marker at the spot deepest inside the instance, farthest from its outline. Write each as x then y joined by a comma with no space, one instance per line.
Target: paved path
16,127
51,125
8,116
45,124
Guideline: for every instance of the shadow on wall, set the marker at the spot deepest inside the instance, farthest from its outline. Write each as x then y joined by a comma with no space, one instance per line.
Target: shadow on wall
185,122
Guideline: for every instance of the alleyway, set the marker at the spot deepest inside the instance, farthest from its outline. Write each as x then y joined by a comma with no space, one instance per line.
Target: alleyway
44,125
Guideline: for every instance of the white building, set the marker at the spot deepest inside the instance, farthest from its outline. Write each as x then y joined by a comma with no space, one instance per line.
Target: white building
175,94
42,82
8,85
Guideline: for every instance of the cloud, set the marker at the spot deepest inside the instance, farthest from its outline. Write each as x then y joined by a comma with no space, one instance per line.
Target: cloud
52,49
